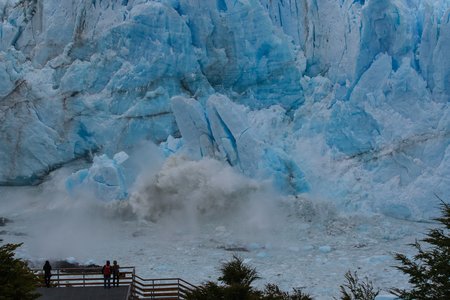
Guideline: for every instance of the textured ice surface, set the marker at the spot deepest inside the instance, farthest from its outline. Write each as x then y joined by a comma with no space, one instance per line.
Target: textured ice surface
345,100
103,180
223,131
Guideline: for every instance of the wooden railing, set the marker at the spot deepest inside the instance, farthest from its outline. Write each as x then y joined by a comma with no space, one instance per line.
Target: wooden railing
162,288
139,288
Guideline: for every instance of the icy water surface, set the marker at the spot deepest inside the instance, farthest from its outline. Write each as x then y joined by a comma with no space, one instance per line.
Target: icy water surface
306,245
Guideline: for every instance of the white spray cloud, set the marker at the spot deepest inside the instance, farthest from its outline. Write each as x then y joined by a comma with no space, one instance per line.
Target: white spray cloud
167,195
194,192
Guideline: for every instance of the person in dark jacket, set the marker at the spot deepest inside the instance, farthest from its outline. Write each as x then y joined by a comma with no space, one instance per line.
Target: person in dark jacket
115,273
106,271
47,273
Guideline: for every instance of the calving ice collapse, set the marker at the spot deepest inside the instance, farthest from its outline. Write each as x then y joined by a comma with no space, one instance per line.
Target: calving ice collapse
344,101
103,180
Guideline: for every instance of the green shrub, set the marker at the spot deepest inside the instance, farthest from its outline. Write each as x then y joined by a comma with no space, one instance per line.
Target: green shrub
299,295
17,281
237,278
355,289
235,272
207,291
429,269
273,292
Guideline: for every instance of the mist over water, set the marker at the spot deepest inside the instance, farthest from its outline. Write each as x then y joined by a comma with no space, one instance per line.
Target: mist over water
194,196
167,197
184,217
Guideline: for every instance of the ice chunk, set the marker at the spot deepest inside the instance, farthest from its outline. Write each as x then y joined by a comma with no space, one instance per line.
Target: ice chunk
325,249
104,179
351,130
373,79
397,211
120,157
193,125
231,132
171,146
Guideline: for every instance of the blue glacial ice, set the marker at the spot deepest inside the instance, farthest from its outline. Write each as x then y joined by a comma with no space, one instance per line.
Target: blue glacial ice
223,131
346,101
104,180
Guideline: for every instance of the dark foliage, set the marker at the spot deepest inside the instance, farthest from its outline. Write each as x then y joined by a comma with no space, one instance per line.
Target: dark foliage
236,272
207,291
273,292
355,289
429,269
299,295
17,281
237,278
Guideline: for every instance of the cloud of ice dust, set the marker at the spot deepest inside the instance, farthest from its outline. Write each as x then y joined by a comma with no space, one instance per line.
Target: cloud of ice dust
194,193
54,225
175,192
57,226
145,160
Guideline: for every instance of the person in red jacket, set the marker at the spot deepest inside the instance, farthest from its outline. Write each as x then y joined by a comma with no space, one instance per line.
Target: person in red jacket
106,271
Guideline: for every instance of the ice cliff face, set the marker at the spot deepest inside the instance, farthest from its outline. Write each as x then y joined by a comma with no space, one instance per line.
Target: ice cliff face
341,99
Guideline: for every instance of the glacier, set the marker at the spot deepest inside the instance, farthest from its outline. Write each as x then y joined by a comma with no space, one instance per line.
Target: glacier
345,101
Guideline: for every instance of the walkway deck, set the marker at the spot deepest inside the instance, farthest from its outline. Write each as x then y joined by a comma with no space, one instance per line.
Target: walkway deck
86,283
83,293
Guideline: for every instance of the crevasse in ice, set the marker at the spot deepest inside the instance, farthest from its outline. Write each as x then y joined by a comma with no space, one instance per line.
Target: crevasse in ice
346,100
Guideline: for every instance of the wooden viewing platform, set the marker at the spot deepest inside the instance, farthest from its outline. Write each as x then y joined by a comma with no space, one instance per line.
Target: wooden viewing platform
84,293
87,283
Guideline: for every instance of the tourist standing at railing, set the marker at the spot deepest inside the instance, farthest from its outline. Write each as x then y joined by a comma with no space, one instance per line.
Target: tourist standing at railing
106,271
47,273
115,273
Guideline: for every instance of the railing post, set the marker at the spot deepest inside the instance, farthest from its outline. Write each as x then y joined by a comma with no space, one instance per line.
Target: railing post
84,279
57,276
133,283
153,289
178,288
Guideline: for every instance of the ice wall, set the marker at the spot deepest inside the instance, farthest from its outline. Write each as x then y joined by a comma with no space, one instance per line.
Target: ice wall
340,39
361,85
98,75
